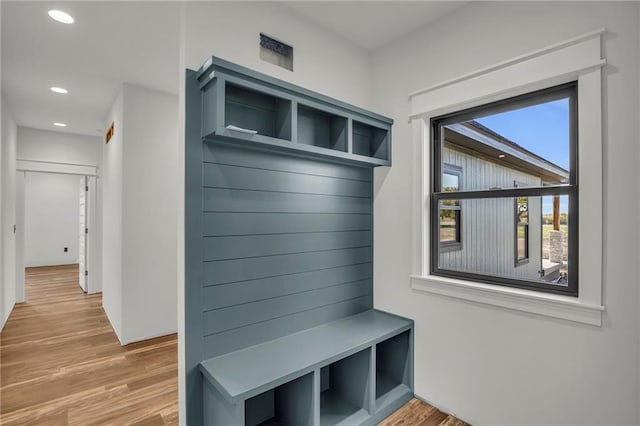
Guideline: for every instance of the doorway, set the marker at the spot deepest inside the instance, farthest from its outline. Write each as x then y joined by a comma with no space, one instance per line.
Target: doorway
56,219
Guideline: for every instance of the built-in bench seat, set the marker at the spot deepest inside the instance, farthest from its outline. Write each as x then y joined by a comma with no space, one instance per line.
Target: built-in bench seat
356,370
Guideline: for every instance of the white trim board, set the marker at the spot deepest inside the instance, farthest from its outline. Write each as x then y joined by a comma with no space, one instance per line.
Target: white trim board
55,167
577,59
513,61
543,68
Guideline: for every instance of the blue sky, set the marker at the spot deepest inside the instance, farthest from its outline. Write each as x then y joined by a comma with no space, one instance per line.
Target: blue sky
542,129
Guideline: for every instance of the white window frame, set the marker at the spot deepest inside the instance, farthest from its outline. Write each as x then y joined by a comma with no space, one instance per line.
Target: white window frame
577,59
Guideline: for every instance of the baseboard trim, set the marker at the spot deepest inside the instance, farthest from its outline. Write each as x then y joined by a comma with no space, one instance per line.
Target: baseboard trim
3,321
149,337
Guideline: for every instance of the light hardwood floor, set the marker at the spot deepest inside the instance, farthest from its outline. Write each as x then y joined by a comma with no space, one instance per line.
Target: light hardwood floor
417,413
61,364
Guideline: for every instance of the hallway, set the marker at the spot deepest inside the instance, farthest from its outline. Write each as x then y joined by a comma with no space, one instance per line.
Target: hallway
61,363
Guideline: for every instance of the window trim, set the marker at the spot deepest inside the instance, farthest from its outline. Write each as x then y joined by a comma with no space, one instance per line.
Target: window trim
579,58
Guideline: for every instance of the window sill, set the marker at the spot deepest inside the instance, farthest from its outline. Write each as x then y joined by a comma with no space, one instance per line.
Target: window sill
563,307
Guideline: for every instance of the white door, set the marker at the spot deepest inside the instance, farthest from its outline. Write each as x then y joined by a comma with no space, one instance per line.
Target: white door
82,244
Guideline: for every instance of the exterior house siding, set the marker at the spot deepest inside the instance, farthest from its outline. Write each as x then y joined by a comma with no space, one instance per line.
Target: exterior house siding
488,225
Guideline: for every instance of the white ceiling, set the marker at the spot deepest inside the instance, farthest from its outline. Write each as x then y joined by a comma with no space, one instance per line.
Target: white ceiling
372,25
111,43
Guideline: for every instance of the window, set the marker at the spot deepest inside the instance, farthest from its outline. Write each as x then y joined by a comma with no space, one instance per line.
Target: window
528,139
577,59
450,214
522,230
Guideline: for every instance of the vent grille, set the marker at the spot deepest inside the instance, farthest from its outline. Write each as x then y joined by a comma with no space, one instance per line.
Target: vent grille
276,52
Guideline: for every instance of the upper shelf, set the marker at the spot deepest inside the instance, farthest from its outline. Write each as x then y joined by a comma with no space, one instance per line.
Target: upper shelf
239,104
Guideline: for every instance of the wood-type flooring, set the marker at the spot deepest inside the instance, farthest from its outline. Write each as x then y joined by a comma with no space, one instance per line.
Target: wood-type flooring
62,364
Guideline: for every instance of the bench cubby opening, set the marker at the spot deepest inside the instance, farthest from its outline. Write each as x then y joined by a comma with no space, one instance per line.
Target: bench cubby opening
258,112
393,366
321,129
344,390
290,404
370,141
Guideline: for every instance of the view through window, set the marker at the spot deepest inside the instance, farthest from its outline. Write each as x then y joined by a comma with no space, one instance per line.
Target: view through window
504,194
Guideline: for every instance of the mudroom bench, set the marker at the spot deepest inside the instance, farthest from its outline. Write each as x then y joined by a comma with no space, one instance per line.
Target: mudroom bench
353,371
279,321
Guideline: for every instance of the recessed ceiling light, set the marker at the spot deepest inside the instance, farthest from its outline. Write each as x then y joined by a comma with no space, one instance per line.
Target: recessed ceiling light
60,124
61,16
501,156
59,90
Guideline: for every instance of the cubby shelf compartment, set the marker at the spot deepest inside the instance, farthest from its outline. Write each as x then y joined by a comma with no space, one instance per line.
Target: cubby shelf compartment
344,390
243,106
393,368
290,404
251,112
321,129
370,141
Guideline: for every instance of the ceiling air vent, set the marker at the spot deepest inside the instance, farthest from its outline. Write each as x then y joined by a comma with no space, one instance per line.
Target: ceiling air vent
276,52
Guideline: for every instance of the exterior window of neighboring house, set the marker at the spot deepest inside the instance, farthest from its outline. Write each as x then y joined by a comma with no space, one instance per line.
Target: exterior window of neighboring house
450,214
522,230
528,139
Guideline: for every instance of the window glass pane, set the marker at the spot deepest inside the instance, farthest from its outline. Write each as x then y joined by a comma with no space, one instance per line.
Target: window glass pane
522,229
492,244
450,183
555,231
522,242
449,225
449,203
522,210
529,144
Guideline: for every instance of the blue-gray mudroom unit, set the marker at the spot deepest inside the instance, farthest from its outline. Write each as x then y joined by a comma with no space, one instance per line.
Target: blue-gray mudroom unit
279,321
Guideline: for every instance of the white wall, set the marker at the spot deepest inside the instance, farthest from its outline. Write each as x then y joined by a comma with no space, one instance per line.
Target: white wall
323,62
43,145
139,226
7,213
3,317
486,364
112,218
51,219
149,236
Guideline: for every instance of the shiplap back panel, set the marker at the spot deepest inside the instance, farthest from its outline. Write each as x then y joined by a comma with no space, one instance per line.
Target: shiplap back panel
286,245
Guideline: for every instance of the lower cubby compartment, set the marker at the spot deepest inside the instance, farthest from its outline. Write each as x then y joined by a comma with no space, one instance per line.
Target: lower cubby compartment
344,390
393,367
290,404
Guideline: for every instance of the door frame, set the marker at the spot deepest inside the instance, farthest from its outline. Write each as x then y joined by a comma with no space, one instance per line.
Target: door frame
92,258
